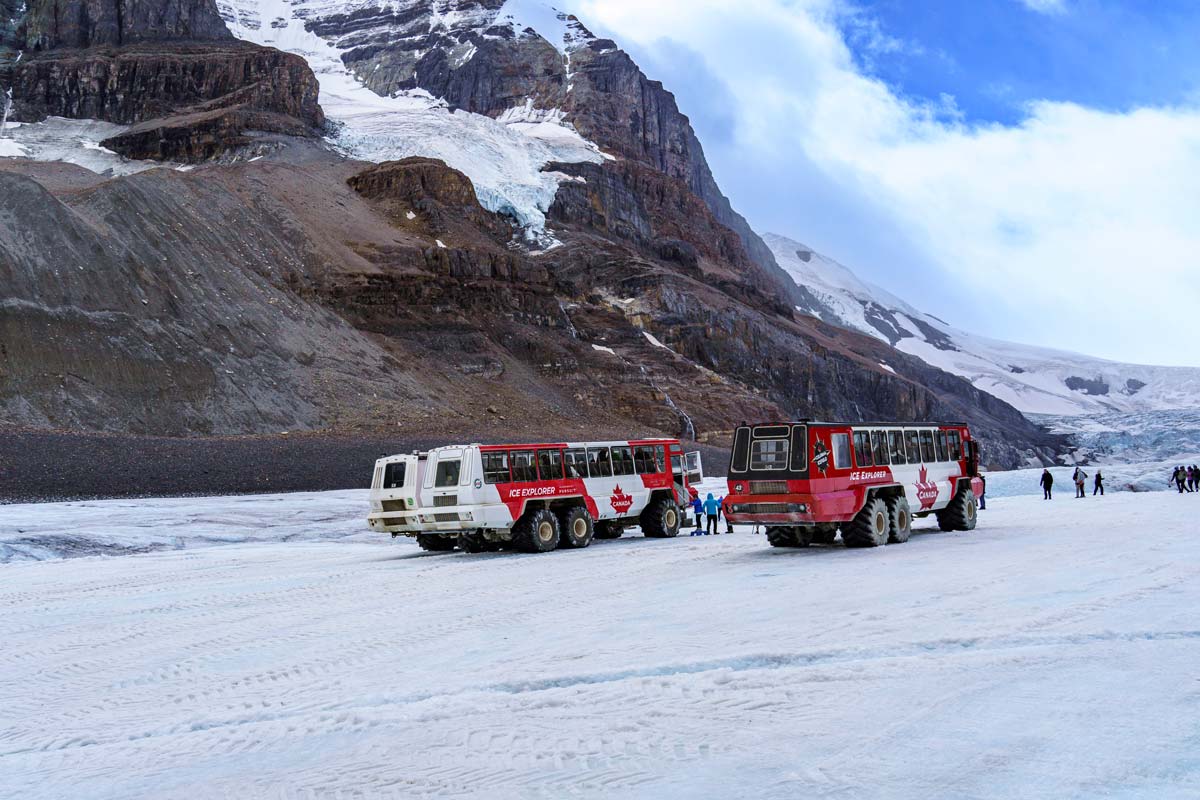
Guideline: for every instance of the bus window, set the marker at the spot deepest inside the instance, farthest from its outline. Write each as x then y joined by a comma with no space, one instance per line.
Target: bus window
955,446
643,460
928,455
576,462
768,455
622,461
940,440
599,465
524,467
862,449
912,447
799,448
550,465
880,445
741,450
447,472
495,468
896,442
841,450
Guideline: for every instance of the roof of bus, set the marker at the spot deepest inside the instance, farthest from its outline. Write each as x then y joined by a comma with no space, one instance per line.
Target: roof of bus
564,445
865,424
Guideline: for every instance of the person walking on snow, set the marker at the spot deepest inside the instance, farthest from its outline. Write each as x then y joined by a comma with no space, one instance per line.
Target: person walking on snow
983,494
711,509
1179,478
728,524
1080,477
1191,479
698,510
1047,482
1098,485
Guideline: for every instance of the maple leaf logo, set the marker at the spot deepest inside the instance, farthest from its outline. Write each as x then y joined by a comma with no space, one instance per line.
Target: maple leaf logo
927,491
620,501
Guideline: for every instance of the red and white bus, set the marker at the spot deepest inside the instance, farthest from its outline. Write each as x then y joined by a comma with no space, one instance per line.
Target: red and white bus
533,497
804,481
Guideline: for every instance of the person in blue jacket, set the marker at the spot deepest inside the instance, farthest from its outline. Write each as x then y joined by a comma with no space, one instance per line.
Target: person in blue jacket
698,510
712,510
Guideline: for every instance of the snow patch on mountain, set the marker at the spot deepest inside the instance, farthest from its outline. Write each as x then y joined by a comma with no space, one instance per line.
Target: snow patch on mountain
557,27
73,141
1036,380
502,157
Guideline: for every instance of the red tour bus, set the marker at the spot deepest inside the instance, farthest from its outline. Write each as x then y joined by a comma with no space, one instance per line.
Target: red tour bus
804,481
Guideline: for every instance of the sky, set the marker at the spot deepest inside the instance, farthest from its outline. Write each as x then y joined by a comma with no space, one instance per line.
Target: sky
1024,169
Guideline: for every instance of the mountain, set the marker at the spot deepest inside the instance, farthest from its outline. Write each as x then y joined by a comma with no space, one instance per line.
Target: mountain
447,217
1036,380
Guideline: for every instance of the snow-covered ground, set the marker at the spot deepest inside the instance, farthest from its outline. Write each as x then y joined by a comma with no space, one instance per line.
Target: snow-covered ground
1051,653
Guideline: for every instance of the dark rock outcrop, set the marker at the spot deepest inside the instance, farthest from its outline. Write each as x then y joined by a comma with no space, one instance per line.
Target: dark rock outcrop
426,194
146,81
52,24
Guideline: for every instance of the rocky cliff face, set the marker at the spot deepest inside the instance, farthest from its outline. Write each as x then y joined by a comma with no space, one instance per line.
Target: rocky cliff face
170,65
467,53
52,24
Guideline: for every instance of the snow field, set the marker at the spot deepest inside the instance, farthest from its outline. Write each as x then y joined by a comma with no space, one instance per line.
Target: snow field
1049,654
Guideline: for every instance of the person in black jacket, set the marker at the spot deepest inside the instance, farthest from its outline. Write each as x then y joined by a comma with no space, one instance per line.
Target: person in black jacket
1098,484
1047,482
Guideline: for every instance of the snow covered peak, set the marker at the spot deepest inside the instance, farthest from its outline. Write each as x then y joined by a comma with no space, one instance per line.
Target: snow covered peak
1035,380
557,27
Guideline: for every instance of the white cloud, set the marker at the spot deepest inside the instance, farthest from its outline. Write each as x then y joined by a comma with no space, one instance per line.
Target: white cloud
1075,228
1046,6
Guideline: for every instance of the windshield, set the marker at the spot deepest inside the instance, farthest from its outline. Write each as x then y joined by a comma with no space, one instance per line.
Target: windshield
447,473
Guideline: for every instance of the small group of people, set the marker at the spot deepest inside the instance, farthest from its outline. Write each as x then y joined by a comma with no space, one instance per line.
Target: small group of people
1079,478
711,508
1187,479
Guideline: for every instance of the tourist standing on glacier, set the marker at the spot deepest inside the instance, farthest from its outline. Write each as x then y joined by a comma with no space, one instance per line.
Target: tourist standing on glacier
1191,478
1047,482
698,510
1179,478
712,510
1098,484
1080,477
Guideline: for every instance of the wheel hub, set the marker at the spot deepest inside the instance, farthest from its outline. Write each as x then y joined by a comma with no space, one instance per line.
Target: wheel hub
545,531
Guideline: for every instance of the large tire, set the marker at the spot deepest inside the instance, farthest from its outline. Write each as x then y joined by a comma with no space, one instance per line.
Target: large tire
961,514
537,531
577,528
899,519
870,527
661,519
608,529
824,534
436,544
789,537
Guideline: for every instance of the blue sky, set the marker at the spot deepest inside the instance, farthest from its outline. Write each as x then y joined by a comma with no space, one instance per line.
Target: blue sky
994,56
1025,169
